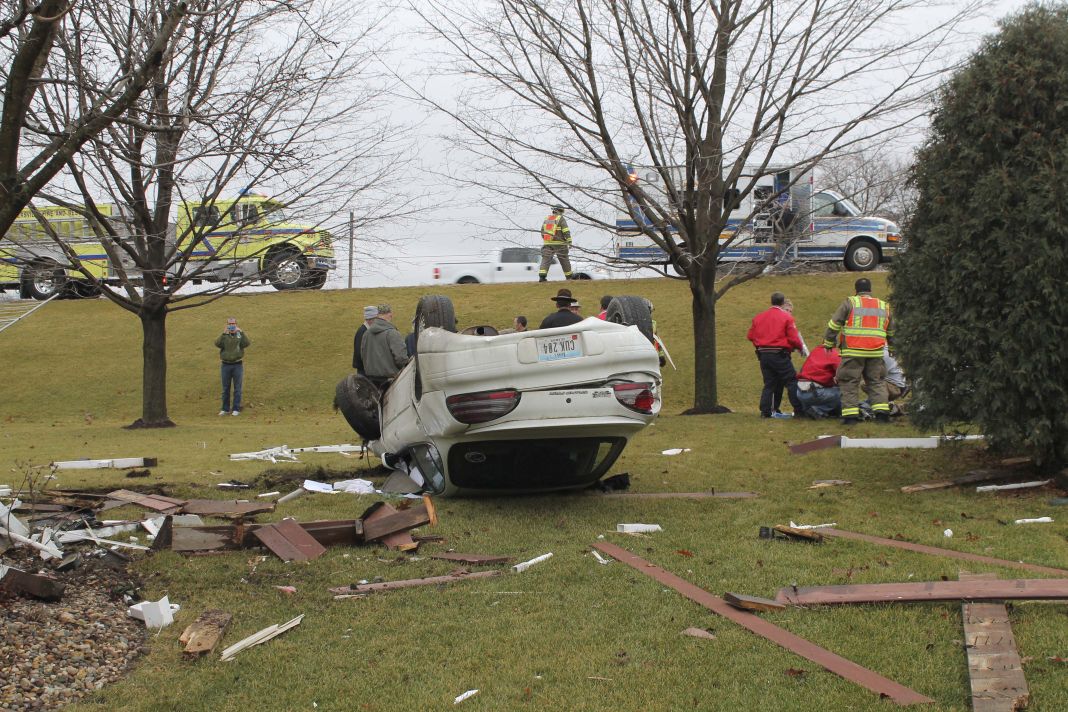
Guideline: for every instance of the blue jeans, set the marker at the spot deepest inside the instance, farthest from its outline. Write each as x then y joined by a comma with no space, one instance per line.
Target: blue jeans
232,373
821,402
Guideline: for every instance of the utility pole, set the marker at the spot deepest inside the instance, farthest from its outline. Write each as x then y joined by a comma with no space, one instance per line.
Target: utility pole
352,234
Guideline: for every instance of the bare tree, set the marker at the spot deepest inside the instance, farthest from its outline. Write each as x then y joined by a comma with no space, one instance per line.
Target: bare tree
873,178
31,151
562,96
283,96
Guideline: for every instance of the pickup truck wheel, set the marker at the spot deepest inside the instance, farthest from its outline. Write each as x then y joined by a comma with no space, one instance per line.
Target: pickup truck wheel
632,311
862,256
467,280
43,281
357,399
286,270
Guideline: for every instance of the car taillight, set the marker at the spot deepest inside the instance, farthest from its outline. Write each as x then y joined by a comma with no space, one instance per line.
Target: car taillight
482,407
437,273
639,397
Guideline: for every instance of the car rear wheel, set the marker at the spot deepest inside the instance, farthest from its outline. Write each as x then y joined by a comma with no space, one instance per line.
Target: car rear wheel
467,280
357,399
432,310
632,311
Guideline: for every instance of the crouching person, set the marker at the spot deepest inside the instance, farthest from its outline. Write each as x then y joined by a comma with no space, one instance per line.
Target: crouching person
817,386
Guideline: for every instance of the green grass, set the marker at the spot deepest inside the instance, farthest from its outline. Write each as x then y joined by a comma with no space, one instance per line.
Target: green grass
535,640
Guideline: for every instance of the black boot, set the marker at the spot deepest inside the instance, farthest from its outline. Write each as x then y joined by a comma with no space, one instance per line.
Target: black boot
542,279
850,420
882,417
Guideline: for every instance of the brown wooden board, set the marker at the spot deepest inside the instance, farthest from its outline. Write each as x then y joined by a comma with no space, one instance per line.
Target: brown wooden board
411,583
995,669
379,525
45,588
679,495
226,508
400,541
971,478
205,632
1017,589
936,551
814,445
202,538
476,559
752,603
821,656
289,542
805,534
156,502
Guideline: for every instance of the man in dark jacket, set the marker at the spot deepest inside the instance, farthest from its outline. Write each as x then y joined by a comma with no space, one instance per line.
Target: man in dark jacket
383,350
775,337
232,344
369,313
566,312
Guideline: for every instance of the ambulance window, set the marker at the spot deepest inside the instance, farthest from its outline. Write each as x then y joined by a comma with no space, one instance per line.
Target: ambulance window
250,215
823,205
206,216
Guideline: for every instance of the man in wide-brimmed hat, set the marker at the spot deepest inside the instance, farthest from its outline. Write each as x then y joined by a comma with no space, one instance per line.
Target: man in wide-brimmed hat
566,312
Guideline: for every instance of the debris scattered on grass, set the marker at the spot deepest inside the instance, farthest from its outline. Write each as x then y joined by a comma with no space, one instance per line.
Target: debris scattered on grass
600,559
233,484
675,451
637,528
264,495
699,633
1035,520
202,635
794,525
948,533
260,637
1018,485
820,484
156,614
119,463
527,564
467,695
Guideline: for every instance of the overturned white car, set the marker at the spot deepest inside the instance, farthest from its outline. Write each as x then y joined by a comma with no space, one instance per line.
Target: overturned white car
481,413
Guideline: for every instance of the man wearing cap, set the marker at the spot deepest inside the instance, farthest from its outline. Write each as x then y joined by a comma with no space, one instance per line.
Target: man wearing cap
369,313
382,349
555,242
232,344
566,312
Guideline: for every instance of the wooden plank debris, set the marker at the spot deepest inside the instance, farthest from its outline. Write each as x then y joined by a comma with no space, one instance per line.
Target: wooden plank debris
412,583
475,559
821,656
1015,486
203,634
226,508
155,502
289,542
397,541
698,633
118,463
823,484
752,603
260,637
377,527
1008,470
1016,589
994,665
24,583
812,535
677,495
948,553
208,538
824,443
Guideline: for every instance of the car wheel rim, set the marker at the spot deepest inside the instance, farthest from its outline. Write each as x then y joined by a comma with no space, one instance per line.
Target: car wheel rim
44,282
288,271
864,257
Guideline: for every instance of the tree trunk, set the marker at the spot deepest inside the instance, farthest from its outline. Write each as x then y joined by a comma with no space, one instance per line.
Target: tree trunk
154,369
705,389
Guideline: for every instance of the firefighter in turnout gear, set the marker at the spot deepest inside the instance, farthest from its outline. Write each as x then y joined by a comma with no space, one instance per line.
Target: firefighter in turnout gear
556,241
861,327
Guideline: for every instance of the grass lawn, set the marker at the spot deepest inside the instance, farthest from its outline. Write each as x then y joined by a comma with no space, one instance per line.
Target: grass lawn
568,634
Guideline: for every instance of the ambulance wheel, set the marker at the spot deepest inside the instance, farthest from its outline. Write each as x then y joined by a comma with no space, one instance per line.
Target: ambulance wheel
43,281
862,256
286,269
85,290
632,311
316,279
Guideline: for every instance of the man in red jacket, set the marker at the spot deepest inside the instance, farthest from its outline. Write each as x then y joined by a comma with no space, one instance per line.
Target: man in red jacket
775,337
817,384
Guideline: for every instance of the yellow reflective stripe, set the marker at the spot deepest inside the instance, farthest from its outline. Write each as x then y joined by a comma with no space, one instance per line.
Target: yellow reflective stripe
829,344
862,353
880,407
832,324
849,412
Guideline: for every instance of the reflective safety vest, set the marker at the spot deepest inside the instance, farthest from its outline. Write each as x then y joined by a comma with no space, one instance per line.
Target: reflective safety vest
554,225
864,332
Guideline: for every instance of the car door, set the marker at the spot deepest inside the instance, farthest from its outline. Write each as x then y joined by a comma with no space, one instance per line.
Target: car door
518,264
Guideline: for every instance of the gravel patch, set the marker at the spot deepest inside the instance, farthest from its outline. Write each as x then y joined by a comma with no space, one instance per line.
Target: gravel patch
55,653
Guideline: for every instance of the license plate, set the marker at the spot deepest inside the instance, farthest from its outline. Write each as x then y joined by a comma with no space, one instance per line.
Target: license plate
556,348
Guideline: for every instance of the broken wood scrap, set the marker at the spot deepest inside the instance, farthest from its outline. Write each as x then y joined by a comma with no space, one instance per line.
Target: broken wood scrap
971,478
822,484
936,551
377,527
24,583
810,535
926,591
835,663
412,583
260,637
1014,486
694,632
156,502
831,441
475,559
118,463
188,539
677,495
203,634
752,603
995,669
397,539
226,508
289,542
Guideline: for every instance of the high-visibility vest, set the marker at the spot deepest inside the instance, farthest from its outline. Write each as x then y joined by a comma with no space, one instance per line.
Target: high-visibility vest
864,332
551,227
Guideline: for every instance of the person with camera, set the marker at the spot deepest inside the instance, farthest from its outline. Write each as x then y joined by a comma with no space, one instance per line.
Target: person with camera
232,344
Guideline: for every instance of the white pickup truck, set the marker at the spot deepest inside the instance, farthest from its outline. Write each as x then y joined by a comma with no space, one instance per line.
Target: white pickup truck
515,264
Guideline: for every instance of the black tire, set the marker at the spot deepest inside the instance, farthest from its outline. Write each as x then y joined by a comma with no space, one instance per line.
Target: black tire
632,311
316,279
43,281
467,280
432,310
81,289
286,269
357,399
581,275
862,256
